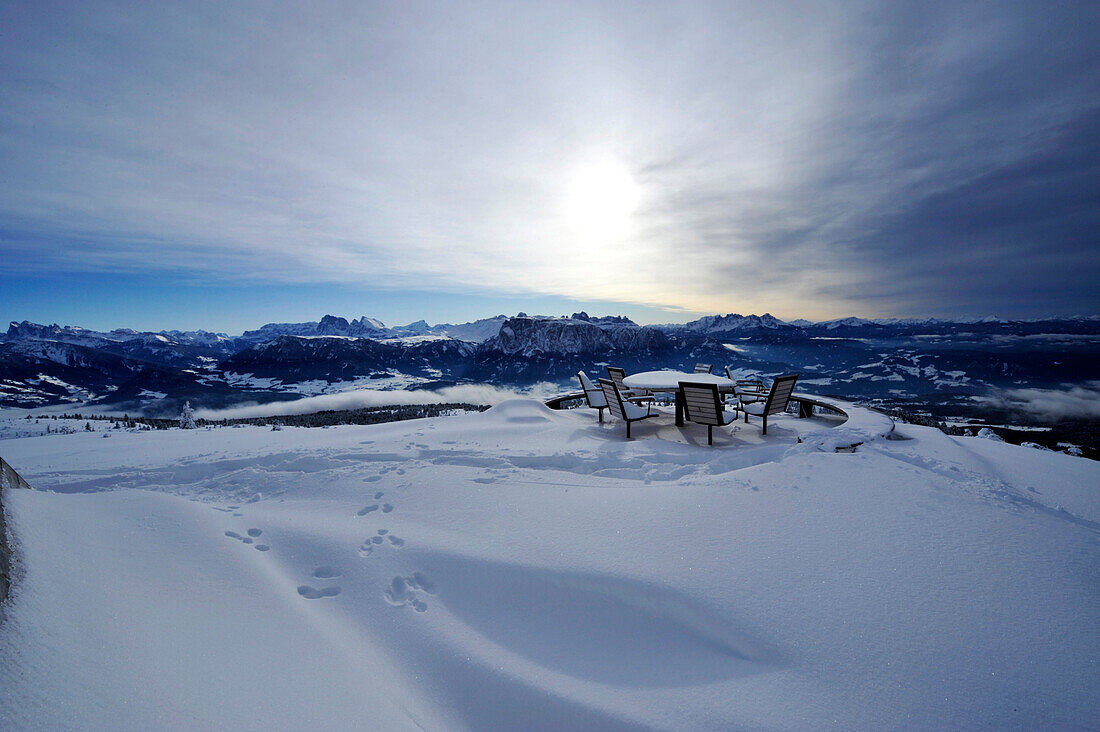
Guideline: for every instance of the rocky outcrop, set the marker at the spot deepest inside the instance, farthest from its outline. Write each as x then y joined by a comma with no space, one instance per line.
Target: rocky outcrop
9,479
329,325
5,553
529,337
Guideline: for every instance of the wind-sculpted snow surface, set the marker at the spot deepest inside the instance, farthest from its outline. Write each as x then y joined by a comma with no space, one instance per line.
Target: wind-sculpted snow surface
532,569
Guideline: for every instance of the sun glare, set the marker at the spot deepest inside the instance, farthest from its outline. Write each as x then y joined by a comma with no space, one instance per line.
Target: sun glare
600,202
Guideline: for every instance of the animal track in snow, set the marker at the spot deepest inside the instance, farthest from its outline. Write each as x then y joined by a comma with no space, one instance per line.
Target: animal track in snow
367,509
262,547
387,507
407,591
311,593
378,495
254,532
372,479
325,572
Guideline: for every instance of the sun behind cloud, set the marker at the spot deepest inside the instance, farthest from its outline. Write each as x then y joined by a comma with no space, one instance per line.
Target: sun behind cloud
600,202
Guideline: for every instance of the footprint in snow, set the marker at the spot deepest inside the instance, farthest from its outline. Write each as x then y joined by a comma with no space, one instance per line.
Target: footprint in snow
325,572
387,507
250,539
378,495
311,593
367,509
370,543
408,591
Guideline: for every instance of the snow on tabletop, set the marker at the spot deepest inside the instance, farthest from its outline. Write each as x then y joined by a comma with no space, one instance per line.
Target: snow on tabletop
525,568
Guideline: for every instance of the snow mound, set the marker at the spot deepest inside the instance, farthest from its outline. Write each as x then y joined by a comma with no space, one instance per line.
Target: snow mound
520,411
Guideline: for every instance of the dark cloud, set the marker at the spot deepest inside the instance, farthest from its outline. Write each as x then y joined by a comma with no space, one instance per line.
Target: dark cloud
1022,238
875,158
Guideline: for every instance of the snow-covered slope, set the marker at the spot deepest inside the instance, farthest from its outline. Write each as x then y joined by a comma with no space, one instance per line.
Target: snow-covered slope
532,569
475,332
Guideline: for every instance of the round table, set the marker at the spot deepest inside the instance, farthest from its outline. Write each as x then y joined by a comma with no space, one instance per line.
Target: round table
670,381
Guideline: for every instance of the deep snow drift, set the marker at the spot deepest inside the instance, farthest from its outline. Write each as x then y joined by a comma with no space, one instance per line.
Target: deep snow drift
526,568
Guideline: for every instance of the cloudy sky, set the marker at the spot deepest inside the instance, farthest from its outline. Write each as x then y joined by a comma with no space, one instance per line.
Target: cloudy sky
222,165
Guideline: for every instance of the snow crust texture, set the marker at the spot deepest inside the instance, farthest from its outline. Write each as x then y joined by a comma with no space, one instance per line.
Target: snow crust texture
531,569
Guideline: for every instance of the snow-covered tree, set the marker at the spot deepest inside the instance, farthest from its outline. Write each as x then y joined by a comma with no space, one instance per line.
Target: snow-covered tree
187,417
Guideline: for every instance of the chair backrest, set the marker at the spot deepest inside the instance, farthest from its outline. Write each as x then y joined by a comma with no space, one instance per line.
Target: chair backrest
749,386
701,402
614,400
592,393
617,375
703,368
780,395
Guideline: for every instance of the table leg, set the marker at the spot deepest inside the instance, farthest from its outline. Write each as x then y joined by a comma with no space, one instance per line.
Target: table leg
679,408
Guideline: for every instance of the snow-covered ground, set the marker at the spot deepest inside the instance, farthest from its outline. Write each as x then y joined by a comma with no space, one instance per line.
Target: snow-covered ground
525,569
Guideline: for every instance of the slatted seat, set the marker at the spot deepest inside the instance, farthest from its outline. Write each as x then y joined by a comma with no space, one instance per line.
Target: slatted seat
625,410
703,368
776,403
593,394
703,404
631,395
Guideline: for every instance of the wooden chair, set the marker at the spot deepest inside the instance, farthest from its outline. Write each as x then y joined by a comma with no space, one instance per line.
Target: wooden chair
631,395
625,410
776,402
593,394
703,368
703,404
748,387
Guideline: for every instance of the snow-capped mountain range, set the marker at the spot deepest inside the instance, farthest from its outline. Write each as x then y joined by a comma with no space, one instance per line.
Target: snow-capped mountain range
931,362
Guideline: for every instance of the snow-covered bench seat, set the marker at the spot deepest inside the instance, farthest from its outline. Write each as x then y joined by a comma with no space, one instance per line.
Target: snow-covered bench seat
862,424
